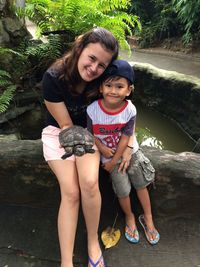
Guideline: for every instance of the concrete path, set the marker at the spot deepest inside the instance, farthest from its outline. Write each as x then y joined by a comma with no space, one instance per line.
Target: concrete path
163,59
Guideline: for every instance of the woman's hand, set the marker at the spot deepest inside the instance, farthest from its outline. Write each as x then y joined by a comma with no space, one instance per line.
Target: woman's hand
126,157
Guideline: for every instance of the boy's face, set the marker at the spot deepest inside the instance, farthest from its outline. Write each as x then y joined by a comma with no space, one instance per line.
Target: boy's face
115,90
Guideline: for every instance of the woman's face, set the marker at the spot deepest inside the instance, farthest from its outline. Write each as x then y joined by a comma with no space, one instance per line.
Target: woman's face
93,60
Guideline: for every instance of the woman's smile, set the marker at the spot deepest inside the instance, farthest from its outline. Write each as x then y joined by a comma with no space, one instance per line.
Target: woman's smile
93,60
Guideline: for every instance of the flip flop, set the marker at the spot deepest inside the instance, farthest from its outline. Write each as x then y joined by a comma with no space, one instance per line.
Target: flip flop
146,231
134,237
96,264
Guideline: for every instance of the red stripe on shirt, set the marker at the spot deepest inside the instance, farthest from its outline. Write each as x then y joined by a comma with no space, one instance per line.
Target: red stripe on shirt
112,112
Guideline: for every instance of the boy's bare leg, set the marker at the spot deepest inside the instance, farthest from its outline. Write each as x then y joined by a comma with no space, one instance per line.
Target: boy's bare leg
125,204
144,199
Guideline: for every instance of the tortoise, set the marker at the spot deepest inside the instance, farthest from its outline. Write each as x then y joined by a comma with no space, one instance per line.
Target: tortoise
76,140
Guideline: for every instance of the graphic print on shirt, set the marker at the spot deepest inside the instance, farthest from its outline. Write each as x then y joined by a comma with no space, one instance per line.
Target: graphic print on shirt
110,133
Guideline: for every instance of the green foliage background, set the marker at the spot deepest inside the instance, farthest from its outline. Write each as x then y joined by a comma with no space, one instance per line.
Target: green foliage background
79,16
162,19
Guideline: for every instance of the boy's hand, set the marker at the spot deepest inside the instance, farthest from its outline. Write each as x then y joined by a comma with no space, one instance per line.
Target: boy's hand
109,166
107,152
126,157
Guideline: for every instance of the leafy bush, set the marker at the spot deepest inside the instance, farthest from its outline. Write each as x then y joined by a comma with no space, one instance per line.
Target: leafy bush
28,62
79,16
158,19
7,90
188,12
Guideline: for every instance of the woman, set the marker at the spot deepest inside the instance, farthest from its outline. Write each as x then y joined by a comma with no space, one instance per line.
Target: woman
69,85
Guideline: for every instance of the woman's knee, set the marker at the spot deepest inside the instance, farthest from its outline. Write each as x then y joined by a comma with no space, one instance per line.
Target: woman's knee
71,196
90,186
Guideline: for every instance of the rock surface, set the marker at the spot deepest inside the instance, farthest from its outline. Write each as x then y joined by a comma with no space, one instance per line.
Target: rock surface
25,175
175,95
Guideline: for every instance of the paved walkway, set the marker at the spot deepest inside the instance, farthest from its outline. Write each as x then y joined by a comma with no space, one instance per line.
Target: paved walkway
183,63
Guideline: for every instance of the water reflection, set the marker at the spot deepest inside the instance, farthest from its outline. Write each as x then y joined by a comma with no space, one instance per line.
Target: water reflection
153,129
145,138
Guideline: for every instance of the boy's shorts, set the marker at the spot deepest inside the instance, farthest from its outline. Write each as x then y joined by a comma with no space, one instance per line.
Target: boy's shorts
140,174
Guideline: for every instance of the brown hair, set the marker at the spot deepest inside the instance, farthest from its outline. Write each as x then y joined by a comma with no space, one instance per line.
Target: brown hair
67,65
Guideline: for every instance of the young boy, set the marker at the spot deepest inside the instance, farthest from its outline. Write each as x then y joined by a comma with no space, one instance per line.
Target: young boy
112,121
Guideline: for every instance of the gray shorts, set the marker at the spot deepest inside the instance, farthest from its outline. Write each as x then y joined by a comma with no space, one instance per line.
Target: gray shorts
140,173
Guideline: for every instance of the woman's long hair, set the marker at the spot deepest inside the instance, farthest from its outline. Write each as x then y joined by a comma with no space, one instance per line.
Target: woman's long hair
67,65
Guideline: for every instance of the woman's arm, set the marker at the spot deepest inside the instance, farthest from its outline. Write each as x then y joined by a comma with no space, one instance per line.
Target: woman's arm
60,113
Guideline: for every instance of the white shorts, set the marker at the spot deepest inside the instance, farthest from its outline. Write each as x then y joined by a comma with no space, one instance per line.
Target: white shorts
51,145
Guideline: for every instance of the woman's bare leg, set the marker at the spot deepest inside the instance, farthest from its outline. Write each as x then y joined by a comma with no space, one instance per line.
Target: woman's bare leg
88,172
66,174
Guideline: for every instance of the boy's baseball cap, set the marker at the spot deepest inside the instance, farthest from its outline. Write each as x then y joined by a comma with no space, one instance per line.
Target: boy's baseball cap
119,68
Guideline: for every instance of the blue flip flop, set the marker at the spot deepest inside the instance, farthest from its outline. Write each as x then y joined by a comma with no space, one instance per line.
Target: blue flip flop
95,264
134,237
146,231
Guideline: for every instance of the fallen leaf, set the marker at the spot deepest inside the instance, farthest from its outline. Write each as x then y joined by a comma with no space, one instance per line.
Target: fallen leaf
110,237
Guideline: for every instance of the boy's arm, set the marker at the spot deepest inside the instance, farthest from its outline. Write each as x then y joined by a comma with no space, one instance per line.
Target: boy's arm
124,140
104,150
126,156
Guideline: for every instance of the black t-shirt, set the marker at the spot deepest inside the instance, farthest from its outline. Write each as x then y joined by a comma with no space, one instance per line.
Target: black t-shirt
56,90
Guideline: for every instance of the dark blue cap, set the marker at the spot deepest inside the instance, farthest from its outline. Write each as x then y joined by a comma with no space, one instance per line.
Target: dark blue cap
119,68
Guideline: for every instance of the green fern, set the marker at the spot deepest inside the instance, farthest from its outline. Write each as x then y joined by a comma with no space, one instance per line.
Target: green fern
48,51
4,74
7,90
82,15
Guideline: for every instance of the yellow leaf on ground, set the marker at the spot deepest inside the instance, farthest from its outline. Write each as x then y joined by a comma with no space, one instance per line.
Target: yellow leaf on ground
110,237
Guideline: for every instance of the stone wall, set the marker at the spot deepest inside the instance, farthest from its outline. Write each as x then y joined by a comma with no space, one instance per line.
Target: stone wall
175,95
26,177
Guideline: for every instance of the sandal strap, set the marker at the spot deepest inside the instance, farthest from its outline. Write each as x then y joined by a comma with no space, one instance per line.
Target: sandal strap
146,229
131,230
95,264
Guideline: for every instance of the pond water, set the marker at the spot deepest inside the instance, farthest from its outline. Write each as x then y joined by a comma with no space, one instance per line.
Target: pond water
152,129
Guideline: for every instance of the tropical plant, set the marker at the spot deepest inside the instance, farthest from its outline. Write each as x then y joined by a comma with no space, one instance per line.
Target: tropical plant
158,19
28,61
7,90
42,53
188,12
78,16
